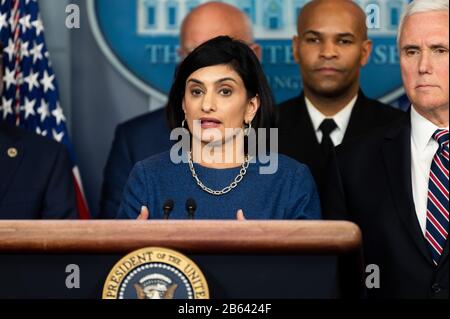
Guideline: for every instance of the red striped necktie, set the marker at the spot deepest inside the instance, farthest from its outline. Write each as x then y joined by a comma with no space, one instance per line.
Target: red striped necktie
438,205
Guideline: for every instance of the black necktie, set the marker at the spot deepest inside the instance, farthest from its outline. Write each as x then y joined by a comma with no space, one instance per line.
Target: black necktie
327,127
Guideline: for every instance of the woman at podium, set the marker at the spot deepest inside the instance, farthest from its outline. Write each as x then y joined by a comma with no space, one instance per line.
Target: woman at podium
220,107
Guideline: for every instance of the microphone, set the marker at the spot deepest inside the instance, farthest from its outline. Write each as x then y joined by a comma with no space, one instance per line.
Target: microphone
167,208
191,206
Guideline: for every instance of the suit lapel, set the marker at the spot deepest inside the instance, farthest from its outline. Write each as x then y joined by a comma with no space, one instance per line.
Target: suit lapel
444,253
306,141
307,135
9,143
301,140
397,158
357,123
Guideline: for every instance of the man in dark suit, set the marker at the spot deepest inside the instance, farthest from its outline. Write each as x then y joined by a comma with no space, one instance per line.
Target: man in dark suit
35,177
147,135
331,48
394,183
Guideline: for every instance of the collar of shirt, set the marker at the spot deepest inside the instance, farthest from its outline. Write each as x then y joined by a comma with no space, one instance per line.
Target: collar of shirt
422,130
342,118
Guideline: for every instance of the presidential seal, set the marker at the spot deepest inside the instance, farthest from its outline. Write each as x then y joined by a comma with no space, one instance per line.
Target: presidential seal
155,273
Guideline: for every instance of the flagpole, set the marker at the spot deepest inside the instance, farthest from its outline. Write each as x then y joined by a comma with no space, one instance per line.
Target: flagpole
17,44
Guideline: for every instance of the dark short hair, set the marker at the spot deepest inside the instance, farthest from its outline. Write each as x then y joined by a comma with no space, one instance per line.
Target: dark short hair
241,58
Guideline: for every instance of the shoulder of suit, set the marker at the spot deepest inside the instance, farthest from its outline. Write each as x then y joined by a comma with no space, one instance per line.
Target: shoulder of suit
383,109
290,111
38,149
376,137
145,121
19,135
289,104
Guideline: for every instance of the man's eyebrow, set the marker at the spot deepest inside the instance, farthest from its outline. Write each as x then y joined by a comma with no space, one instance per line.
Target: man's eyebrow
317,33
410,47
346,34
438,46
417,47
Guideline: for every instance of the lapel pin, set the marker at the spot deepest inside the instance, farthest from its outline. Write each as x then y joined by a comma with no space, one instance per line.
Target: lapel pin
12,152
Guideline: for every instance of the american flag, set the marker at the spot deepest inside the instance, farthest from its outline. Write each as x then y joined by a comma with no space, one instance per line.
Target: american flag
30,97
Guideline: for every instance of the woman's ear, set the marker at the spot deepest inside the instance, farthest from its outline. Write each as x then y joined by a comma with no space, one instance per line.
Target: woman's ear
252,108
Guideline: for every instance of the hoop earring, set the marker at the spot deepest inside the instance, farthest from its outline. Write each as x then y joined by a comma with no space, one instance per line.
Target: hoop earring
183,123
248,129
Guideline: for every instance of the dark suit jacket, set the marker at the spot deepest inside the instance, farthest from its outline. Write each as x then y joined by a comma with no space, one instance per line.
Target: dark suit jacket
134,141
38,182
370,184
297,138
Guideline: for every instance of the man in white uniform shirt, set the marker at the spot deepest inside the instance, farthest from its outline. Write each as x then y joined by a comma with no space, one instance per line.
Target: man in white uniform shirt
331,47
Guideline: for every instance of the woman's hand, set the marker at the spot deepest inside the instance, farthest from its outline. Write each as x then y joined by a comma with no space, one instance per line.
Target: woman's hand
145,214
240,215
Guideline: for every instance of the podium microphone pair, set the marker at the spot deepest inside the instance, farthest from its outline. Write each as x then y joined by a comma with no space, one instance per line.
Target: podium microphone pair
191,206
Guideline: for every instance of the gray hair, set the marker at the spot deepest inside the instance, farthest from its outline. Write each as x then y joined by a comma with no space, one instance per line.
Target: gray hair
421,6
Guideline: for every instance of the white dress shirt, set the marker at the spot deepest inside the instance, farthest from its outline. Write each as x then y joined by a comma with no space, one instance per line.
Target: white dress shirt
342,118
423,149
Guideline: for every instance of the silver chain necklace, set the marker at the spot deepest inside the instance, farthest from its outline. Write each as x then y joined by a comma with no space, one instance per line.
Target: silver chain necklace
227,189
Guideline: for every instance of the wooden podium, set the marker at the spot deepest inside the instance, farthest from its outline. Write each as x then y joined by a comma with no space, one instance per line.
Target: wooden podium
240,259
